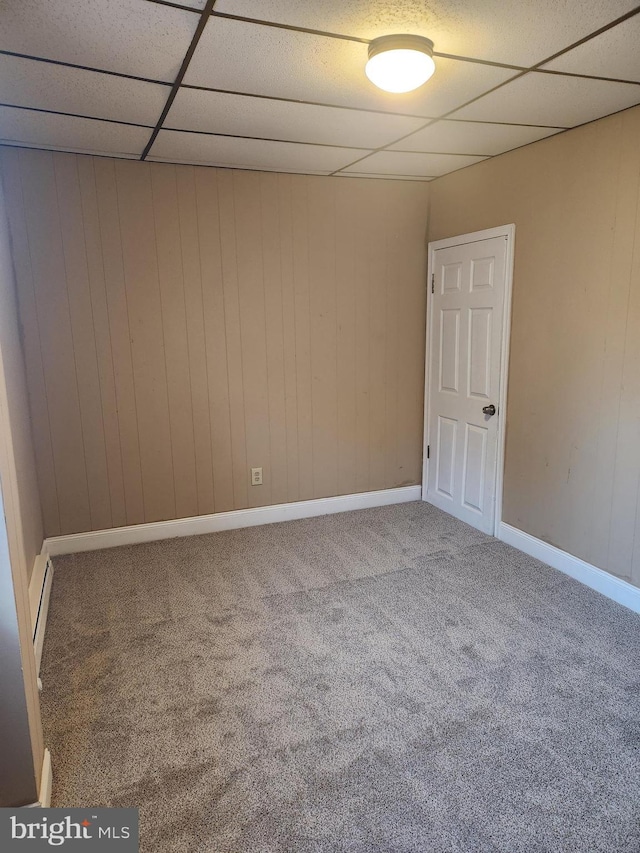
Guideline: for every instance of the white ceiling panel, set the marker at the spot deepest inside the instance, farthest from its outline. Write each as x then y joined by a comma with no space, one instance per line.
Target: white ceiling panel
259,60
615,53
179,147
67,133
550,99
270,96
511,31
237,115
128,36
28,83
465,137
400,163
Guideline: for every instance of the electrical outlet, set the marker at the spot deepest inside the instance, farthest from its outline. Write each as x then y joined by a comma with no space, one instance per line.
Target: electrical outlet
256,476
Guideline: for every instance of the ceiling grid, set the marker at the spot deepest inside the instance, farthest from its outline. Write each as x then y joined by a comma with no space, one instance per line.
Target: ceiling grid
278,85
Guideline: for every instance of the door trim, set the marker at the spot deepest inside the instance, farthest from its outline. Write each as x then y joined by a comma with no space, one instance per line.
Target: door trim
509,232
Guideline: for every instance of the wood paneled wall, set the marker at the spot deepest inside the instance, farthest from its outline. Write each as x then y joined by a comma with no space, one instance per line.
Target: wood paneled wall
22,749
184,324
572,474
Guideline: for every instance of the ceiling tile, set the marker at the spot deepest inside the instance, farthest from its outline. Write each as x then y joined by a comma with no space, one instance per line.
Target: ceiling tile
400,163
128,36
615,53
465,137
67,133
28,83
198,148
519,33
551,99
259,60
238,115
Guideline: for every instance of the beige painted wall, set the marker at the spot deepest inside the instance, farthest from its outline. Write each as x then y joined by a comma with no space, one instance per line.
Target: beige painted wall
17,424
23,520
184,324
573,426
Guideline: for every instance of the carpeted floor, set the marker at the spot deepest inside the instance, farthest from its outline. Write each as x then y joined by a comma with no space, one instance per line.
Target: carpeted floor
382,681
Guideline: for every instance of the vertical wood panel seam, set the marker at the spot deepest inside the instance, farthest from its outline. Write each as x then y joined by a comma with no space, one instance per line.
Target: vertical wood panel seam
235,244
73,343
284,364
108,316
266,343
295,329
164,347
309,281
93,326
337,318
391,389
186,319
126,302
206,352
226,339
369,389
356,317
37,319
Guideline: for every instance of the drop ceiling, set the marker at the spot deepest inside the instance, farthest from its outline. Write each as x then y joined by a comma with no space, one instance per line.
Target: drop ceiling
279,85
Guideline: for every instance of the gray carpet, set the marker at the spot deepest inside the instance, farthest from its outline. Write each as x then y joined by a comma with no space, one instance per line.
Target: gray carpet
382,681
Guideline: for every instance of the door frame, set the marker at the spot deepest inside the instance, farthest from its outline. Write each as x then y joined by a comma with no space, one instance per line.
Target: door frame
508,231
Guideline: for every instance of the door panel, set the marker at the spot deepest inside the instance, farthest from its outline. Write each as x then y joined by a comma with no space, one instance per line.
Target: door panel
482,273
475,454
479,367
449,350
445,477
451,277
464,376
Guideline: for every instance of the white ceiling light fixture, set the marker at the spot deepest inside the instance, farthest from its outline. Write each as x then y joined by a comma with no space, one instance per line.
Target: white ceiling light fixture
400,63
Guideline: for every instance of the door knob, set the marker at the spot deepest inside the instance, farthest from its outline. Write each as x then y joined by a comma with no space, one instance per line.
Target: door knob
489,410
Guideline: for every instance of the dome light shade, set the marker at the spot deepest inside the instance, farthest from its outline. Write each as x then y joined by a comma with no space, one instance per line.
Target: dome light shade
400,63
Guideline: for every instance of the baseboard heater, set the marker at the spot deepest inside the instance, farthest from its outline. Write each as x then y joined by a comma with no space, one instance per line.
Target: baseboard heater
39,594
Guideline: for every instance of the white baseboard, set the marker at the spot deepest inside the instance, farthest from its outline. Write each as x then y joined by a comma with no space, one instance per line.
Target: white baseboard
615,588
218,521
46,782
39,594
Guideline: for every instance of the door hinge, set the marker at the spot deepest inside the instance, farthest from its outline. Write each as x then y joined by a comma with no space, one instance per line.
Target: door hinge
433,286
428,451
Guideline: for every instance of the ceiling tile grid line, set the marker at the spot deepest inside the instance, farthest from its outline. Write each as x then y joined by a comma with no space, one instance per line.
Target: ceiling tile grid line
437,54
132,37
429,123
189,7
101,116
469,101
207,11
471,110
77,115
375,17
180,76
48,61
262,138
520,99
460,110
237,94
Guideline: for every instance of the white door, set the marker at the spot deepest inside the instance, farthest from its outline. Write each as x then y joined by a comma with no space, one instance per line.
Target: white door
464,372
